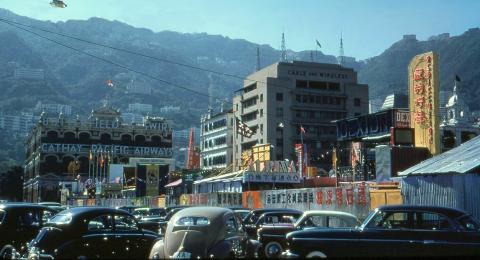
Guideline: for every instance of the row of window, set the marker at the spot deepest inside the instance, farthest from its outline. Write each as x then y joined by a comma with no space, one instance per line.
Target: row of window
250,116
249,102
315,99
215,125
325,115
311,130
217,141
320,85
215,160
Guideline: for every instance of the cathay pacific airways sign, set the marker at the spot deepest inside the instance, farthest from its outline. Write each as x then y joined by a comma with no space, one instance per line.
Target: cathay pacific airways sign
111,149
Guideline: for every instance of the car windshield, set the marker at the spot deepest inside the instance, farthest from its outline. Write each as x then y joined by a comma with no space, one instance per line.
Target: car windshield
61,219
468,223
140,212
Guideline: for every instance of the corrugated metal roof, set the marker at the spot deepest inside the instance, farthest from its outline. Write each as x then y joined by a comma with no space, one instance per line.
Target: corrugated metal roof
461,159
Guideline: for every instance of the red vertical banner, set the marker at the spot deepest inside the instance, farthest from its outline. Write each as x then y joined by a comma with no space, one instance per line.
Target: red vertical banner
320,197
339,196
328,201
362,198
349,196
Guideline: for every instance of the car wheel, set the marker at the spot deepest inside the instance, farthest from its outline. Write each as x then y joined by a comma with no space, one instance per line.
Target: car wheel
316,254
7,252
272,249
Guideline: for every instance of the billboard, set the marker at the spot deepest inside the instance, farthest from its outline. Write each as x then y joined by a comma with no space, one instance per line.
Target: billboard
424,88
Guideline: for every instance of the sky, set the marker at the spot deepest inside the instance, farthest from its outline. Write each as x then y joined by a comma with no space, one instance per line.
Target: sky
368,27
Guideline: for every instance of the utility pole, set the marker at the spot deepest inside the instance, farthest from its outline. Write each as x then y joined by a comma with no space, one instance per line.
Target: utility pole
258,59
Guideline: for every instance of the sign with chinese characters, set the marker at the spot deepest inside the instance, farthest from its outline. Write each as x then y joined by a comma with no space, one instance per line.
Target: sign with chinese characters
273,177
424,89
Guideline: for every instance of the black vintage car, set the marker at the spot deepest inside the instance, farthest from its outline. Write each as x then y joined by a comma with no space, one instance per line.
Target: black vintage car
273,236
20,223
204,232
92,232
400,231
259,217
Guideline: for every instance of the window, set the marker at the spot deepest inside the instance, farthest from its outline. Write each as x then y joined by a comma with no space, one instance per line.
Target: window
390,220
302,84
231,225
61,219
318,85
261,97
431,221
29,219
279,111
45,216
356,102
250,88
466,222
192,221
101,223
125,223
279,96
261,112
334,86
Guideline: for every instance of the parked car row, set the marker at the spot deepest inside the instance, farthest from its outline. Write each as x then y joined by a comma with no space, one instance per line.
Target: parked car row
40,231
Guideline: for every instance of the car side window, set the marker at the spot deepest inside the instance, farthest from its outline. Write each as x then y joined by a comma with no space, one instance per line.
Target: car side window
390,220
101,223
231,225
125,223
336,222
431,221
467,223
315,221
29,218
47,215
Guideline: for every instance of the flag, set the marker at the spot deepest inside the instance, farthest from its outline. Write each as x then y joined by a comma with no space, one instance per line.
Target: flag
302,130
457,78
110,83
243,128
318,43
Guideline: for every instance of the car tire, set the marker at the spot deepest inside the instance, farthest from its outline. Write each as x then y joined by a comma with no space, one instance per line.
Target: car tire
316,254
7,252
272,249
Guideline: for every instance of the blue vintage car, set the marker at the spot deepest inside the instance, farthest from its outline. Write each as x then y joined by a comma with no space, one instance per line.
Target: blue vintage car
399,231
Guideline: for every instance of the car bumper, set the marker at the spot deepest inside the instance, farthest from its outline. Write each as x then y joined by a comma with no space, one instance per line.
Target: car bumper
289,255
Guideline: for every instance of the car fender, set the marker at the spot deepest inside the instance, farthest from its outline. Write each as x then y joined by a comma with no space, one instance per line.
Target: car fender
158,250
221,250
252,247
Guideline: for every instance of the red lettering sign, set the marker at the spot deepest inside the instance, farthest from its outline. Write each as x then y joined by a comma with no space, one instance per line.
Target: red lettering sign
362,198
339,196
349,196
419,88
329,197
419,117
319,197
418,74
419,101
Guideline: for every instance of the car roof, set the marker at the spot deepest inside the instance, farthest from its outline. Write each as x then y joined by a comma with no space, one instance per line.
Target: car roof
451,212
22,205
328,213
93,210
209,212
261,211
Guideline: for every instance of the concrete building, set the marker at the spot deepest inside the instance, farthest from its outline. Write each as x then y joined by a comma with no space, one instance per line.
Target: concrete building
458,125
275,101
19,124
216,140
32,74
53,108
140,108
66,150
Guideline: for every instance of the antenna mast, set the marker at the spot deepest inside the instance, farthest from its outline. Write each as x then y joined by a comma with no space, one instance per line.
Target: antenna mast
258,59
341,50
284,49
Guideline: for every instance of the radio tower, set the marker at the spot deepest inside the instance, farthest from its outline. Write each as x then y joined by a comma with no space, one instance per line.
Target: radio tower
340,60
193,157
284,49
258,59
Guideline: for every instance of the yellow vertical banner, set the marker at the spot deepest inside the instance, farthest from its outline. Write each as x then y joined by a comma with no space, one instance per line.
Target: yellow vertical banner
424,88
152,180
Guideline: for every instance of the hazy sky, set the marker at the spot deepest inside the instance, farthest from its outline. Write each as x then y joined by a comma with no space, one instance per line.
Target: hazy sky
368,26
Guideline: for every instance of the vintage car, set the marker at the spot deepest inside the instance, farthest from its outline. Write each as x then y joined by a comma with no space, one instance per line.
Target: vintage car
128,209
259,217
204,232
396,230
241,212
20,223
92,232
149,213
273,236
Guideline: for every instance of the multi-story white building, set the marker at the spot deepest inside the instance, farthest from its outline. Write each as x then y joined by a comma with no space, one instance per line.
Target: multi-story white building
279,99
19,124
216,140
133,118
24,73
140,108
53,108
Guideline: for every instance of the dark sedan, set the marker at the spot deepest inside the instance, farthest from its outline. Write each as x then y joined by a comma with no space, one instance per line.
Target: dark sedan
259,217
92,232
204,232
20,223
401,231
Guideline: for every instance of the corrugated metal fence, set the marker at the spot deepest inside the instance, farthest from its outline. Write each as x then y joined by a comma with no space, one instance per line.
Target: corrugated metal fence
460,191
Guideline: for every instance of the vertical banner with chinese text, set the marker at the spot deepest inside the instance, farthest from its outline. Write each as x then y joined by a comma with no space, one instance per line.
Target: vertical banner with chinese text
424,90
